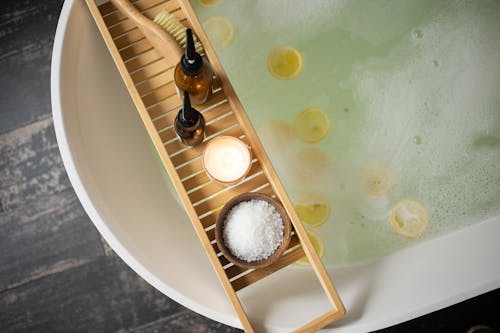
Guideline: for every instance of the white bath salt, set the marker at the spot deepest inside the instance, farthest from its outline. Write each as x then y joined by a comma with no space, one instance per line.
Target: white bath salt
253,230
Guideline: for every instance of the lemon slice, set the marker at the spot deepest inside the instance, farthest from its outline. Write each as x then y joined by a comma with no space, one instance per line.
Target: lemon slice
209,3
219,30
285,62
377,180
309,165
314,215
312,125
409,218
276,135
312,209
317,243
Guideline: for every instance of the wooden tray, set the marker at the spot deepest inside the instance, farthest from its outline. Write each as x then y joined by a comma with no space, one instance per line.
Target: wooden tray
149,80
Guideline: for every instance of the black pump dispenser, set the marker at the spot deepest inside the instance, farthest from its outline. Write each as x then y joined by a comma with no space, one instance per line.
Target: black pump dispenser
191,61
189,124
188,116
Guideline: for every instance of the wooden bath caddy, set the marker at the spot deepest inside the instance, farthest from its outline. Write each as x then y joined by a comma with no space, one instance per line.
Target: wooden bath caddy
149,80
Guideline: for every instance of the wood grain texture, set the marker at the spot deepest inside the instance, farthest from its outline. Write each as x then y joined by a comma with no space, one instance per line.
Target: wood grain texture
30,164
101,296
26,35
49,235
44,229
184,322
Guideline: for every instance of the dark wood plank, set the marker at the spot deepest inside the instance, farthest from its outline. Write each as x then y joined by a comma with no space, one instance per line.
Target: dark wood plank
30,164
185,322
26,36
43,228
101,296
46,236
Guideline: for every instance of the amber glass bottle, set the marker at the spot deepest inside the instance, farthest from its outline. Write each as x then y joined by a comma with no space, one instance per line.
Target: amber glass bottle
189,124
193,73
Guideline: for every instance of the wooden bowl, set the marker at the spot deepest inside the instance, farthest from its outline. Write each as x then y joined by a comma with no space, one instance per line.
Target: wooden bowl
219,226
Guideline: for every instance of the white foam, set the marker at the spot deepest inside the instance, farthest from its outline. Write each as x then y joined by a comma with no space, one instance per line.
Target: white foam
298,18
444,87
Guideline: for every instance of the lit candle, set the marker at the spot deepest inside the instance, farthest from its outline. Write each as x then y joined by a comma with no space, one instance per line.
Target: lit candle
226,159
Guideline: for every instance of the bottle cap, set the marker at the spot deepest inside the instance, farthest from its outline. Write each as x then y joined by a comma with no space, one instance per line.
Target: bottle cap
191,61
188,116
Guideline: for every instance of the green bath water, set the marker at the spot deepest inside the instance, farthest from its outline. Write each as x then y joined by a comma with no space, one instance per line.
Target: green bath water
414,85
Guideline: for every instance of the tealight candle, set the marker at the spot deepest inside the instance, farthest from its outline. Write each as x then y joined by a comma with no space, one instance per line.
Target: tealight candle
226,159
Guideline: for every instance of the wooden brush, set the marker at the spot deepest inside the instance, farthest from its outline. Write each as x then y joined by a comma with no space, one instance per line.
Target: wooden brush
163,42
175,28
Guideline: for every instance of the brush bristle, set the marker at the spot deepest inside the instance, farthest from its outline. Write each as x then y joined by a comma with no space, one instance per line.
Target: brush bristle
174,27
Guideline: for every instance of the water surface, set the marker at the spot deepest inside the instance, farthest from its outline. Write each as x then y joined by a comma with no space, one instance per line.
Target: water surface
414,85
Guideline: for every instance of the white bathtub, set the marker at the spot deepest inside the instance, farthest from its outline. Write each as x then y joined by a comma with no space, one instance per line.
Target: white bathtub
107,156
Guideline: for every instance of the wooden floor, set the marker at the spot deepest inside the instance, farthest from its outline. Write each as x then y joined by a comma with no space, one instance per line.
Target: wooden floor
56,273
